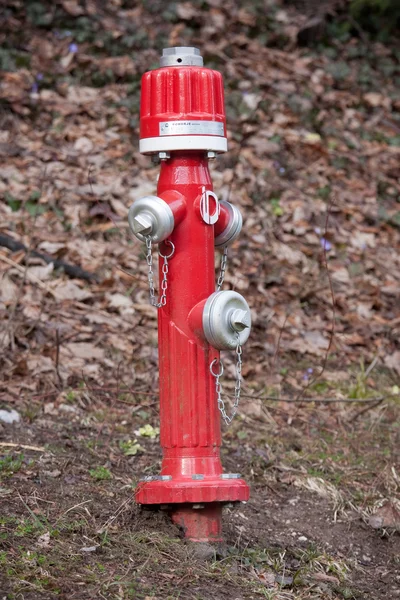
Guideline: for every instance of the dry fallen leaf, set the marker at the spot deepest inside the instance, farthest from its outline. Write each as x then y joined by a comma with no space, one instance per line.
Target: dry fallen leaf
41,273
84,350
40,364
83,145
286,253
44,540
312,342
393,361
8,290
67,290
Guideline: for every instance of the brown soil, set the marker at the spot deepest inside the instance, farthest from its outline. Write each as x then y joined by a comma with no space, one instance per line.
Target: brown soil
285,541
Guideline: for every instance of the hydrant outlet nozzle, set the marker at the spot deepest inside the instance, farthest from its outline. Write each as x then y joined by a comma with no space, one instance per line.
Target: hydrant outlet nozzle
233,225
151,216
226,314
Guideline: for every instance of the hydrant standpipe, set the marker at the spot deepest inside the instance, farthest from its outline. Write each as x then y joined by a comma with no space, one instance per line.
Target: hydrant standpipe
182,121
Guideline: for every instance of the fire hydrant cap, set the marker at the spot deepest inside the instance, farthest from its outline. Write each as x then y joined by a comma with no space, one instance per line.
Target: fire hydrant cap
234,227
151,216
225,316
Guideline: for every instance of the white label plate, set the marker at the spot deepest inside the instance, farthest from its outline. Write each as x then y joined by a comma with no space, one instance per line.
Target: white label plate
191,128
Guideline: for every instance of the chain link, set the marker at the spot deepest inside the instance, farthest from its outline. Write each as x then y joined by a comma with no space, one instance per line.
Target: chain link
222,268
164,269
238,383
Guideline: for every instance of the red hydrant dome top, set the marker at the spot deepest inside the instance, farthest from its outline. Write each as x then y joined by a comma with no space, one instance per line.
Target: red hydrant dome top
182,105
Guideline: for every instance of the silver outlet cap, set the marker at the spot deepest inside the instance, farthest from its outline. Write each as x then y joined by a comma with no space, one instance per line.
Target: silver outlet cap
226,314
234,227
151,216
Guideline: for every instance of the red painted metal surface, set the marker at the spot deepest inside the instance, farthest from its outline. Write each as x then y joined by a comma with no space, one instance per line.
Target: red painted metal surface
190,433
180,93
200,524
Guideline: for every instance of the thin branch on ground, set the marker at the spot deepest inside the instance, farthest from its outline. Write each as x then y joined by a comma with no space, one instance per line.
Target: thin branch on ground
367,408
333,322
323,400
71,270
23,446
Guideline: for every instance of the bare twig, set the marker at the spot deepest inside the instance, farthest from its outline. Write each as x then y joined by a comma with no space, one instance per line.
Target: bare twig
71,270
34,517
278,344
73,508
367,408
323,400
332,332
23,446
111,519
110,215
57,361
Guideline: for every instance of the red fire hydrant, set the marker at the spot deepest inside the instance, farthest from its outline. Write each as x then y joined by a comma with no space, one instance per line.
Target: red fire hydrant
182,122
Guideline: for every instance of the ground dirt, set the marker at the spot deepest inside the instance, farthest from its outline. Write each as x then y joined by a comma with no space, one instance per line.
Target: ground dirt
313,164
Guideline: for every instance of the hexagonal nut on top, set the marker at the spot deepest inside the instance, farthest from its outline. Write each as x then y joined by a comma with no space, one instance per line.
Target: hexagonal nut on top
151,216
180,56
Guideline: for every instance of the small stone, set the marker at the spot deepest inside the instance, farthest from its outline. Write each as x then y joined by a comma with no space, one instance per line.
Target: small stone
10,416
55,473
67,408
89,549
302,538
366,558
202,550
284,579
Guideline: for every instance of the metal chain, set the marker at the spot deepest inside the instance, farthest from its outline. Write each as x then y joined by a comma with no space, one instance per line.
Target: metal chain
150,275
238,383
222,268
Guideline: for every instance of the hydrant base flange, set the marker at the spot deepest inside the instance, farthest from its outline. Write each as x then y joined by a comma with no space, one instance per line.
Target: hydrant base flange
207,490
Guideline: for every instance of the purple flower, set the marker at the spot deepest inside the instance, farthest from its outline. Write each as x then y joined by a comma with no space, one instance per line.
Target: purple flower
306,376
325,244
73,48
34,88
39,77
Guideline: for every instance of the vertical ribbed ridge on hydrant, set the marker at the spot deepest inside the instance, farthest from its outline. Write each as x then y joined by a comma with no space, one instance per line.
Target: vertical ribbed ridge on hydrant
183,125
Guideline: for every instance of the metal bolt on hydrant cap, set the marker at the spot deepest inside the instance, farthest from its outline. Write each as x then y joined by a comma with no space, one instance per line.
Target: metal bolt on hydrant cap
183,123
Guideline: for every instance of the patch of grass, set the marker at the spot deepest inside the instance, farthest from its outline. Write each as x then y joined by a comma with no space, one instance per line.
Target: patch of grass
313,560
360,389
10,464
130,447
100,474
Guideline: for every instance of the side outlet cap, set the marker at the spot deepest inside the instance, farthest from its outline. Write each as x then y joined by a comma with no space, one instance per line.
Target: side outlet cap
151,216
226,315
